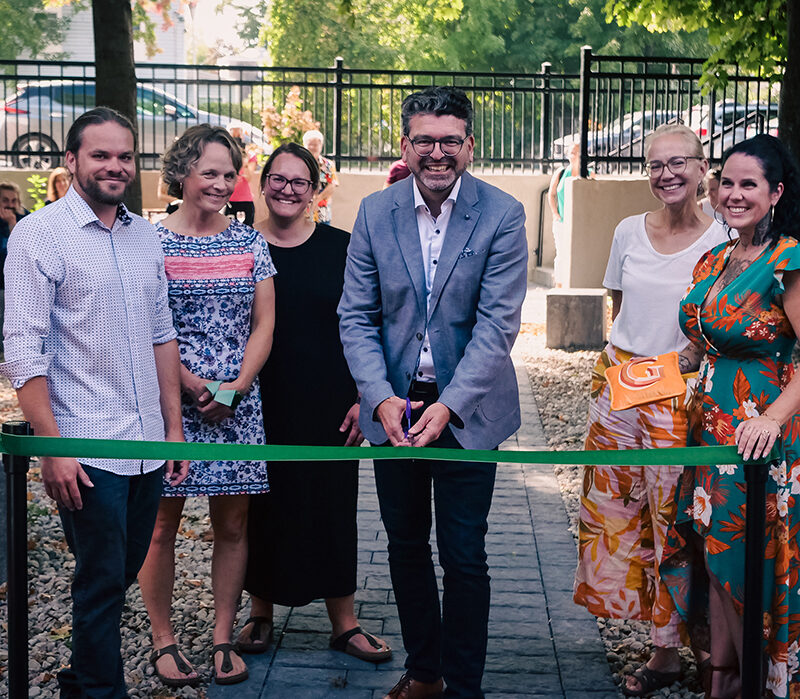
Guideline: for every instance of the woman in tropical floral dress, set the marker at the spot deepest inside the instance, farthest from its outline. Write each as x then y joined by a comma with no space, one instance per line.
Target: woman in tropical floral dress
742,313
626,511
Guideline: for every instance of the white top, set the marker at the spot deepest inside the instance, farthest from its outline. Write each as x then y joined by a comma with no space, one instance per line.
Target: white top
652,286
431,238
84,305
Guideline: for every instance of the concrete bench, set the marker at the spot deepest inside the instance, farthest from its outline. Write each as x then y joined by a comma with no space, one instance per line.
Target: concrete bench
576,319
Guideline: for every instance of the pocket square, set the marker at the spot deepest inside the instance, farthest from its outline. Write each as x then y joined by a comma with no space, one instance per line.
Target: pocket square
466,252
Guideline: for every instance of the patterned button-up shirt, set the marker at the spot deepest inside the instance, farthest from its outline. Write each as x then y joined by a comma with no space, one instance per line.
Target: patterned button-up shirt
84,307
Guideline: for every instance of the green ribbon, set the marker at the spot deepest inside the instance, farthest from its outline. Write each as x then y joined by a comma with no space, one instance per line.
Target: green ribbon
26,445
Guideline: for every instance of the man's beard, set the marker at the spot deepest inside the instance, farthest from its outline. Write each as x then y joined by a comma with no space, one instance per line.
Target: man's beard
92,189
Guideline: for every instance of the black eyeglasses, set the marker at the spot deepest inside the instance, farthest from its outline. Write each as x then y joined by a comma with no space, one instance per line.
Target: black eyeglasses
424,145
675,165
277,183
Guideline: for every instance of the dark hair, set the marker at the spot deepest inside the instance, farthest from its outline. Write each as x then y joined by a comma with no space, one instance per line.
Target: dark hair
440,100
98,115
298,151
187,149
778,166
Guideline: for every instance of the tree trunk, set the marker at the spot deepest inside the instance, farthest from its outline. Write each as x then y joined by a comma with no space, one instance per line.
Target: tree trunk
789,121
116,71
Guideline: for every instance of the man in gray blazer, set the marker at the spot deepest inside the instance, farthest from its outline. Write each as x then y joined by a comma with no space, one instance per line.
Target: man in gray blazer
434,283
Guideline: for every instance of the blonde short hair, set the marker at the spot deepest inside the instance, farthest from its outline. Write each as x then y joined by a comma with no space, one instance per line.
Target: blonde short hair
689,137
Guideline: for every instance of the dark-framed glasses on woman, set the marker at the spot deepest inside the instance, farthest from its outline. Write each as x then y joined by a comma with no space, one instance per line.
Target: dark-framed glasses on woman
675,165
299,185
449,145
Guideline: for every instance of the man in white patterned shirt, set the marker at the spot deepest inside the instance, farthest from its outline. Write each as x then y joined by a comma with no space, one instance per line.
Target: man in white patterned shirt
91,351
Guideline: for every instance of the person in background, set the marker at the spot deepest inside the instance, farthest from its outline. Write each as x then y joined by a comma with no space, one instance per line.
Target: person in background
710,202
302,537
91,351
313,140
742,315
11,212
398,170
57,184
222,299
555,199
626,511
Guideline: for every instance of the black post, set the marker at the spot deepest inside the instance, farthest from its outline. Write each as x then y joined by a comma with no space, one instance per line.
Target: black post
545,130
586,74
16,468
755,476
337,113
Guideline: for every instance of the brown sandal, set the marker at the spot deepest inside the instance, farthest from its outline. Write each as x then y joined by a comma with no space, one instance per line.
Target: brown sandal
342,644
227,665
181,665
255,645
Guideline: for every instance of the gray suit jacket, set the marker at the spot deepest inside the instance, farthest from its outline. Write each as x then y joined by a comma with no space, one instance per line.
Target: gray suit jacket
474,316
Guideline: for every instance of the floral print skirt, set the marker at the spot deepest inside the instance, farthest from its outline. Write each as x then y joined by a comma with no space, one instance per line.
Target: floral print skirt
626,511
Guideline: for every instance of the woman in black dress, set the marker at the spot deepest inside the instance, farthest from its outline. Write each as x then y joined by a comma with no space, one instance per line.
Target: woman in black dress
302,535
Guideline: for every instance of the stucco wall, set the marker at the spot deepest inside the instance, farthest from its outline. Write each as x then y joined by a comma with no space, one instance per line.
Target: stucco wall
594,208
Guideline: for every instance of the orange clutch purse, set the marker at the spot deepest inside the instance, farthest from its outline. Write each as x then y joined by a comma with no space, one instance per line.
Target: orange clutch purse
643,380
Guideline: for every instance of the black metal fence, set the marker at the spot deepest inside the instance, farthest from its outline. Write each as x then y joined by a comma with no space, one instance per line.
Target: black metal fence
523,122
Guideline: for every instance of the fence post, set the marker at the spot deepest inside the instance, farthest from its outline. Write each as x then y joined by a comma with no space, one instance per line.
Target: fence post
755,476
337,112
545,125
586,70
16,468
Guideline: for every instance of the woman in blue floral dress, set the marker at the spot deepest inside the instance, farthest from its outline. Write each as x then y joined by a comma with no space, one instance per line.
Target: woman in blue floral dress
222,299
742,314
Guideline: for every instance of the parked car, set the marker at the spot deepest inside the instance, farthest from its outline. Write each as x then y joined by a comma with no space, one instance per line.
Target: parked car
730,125
770,127
623,136
37,118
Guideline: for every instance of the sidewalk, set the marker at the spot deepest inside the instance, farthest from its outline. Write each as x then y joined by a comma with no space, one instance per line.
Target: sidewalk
540,643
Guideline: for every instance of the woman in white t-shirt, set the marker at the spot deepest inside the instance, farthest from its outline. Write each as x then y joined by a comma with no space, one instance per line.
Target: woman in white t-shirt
626,510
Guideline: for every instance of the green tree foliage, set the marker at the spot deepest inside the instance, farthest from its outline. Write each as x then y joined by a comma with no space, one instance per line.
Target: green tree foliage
473,35
750,33
26,25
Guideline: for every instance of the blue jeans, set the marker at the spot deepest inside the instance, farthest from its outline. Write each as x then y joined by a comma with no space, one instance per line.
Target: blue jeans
450,642
109,538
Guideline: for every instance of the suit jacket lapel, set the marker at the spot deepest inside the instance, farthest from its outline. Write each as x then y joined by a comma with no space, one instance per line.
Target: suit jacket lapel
459,229
404,219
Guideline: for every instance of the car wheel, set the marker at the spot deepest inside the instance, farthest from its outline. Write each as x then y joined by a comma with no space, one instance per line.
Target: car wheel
40,152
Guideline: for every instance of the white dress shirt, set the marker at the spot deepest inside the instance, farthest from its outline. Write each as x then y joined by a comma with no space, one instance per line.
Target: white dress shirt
84,306
431,238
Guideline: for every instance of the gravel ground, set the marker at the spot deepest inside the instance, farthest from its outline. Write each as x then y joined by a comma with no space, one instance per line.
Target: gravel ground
560,381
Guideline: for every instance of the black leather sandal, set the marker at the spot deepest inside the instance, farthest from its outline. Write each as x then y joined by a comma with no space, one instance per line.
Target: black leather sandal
181,665
342,643
227,665
255,645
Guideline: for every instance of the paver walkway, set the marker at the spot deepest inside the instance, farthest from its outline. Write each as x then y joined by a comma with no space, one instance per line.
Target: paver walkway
540,643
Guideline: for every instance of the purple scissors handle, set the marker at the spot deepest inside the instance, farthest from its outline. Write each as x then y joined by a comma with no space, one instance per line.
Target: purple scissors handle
408,417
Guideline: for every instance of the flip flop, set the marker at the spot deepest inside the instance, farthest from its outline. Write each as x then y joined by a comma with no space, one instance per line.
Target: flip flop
255,645
649,681
342,643
227,665
181,665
